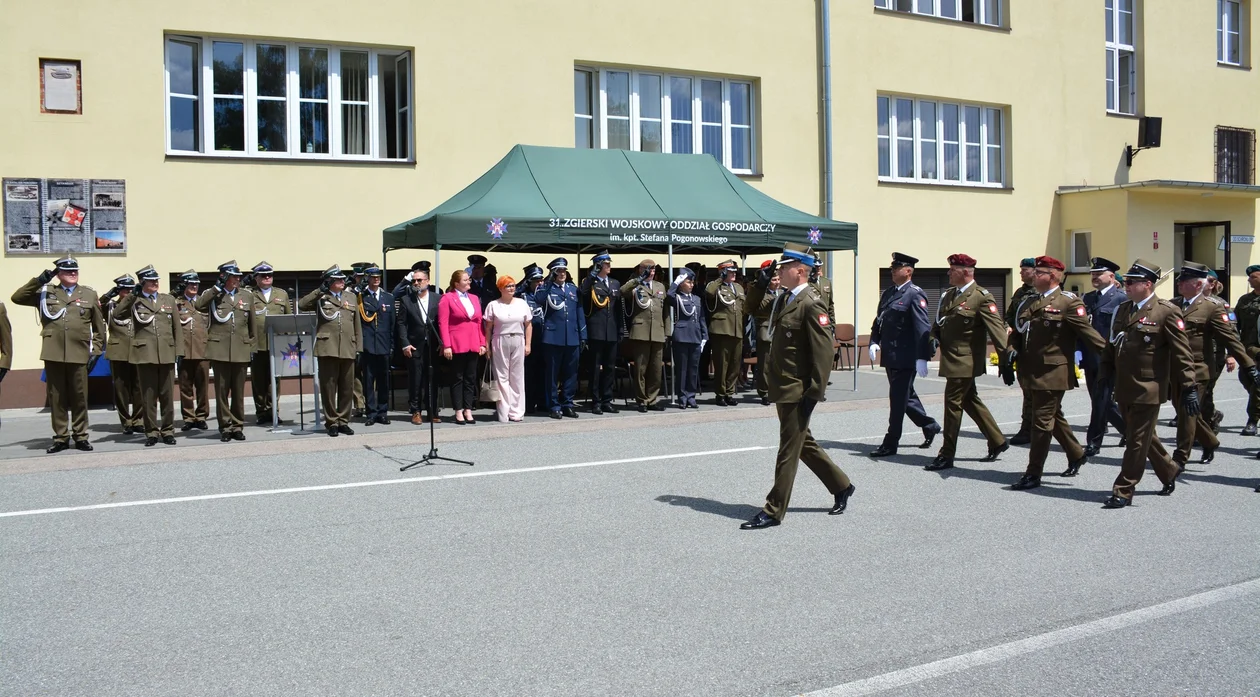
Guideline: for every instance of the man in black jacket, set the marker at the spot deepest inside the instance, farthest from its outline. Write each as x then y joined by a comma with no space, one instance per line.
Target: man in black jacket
376,312
601,300
420,342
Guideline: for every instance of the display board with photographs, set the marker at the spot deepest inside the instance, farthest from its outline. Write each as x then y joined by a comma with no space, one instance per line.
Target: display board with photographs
54,216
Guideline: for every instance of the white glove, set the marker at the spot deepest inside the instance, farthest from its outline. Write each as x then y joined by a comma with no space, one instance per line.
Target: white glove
679,279
873,352
921,366
408,276
702,343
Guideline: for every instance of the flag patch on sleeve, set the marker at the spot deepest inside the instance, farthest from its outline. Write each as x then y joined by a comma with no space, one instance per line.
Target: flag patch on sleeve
993,308
1181,325
1080,311
922,302
824,320
1225,317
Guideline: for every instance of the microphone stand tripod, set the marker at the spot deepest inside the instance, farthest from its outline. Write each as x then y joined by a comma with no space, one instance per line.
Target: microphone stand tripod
431,399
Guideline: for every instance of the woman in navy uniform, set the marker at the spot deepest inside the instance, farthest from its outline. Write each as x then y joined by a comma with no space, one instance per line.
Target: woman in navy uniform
564,336
691,332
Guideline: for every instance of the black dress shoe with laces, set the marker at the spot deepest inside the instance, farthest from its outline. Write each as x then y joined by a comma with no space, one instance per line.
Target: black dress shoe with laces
1025,483
57,446
608,407
332,431
759,521
765,401
1074,467
596,409
660,406
995,451
188,426
200,425
225,437
1114,501
555,415
568,412
383,420
369,421
719,400
1091,450
1208,455
1249,429
343,429
941,462
1168,489
150,441
83,445
642,408
883,450
842,501
238,435
929,435
129,431
1020,438
168,440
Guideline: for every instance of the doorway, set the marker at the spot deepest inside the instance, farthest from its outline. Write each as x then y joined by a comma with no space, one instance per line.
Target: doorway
1207,243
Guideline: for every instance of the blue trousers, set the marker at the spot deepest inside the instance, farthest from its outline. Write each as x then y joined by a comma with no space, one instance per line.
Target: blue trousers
1103,409
686,371
903,401
561,367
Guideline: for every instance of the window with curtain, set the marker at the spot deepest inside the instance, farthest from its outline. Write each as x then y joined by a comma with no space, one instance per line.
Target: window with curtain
1121,56
268,98
1229,27
933,142
970,11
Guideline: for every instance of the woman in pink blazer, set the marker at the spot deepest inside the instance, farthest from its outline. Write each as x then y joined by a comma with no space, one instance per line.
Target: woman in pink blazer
464,339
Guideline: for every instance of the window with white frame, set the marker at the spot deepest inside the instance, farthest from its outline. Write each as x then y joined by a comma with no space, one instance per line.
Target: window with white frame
662,112
936,142
1080,261
1229,32
1121,56
265,98
971,11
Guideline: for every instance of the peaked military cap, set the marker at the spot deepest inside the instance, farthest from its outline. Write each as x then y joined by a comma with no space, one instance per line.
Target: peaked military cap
372,270
602,257
262,267
125,281
795,252
1144,270
727,265
899,259
533,272
476,259
422,266
230,268
148,273
558,263
67,263
190,276
1101,264
334,273
1192,269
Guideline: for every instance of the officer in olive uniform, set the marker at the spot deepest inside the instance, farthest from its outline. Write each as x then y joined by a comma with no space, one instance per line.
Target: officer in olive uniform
605,313
762,345
1147,350
1207,324
823,286
157,343
1219,360
338,336
645,301
1051,325
1247,310
724,303
6,342
229,346
269,301
691,332
1100,307
966,320
118,352
74,337
376,313
564,337
902,338
797,367
1024,292
535,366
194,368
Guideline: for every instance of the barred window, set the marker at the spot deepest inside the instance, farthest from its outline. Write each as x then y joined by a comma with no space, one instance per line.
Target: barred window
1235,155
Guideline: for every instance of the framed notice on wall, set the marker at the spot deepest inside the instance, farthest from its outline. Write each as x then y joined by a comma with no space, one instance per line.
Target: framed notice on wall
52,216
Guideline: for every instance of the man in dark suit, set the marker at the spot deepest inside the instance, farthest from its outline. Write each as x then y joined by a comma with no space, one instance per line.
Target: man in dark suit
901,336
420,342
1100,305
601,301
376,312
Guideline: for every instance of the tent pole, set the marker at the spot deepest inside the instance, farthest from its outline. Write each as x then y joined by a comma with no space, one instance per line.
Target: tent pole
857,355
673,375
437,266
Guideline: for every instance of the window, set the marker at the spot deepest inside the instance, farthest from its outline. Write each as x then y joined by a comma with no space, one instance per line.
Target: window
1229,32
935,282
1079,263
932,142
1235,155
263,98
657,112
1121,57
971,11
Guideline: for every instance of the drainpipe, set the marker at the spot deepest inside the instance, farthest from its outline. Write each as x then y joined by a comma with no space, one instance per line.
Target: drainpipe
828,177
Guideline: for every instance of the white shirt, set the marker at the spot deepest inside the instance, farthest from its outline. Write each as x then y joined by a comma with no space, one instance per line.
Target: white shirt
1105,289
266,294
466,302
422,299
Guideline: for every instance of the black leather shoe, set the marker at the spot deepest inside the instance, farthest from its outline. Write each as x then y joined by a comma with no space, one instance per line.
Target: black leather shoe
608,407
188,426
1258,490
596,409
383,420
1026,482
842,501
129,430
759,521
1074,467
1181,466
929,435
1168,489
1123,441
994,452
642,408
719,400
1171,422
1114,501
332,431
150,441
1217,418
660,406
765,401
883,450
369,422
1020,438
1208,454
57,446
225,437
238,435
554,415
83,445
1249,429
343,429
568,412
201,425
1091,450
168,440
941,462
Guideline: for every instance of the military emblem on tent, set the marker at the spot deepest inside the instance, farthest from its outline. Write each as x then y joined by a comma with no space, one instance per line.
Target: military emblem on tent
497,228
815,235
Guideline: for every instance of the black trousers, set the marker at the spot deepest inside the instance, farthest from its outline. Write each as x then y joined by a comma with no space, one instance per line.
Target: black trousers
686,371
535,367
376,384
420,393
903,401
466,386
1103,409
603,370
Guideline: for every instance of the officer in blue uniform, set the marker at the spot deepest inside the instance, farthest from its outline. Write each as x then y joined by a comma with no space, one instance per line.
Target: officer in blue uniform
534,365
376,316
564,337
1101,304
901,337
605,323
691,332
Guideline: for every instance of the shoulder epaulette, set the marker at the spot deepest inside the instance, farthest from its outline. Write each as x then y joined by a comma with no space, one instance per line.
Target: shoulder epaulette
1216,300
1069,294
1167,303
916,287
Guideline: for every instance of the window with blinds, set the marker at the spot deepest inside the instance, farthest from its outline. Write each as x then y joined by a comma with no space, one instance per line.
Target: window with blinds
1235,155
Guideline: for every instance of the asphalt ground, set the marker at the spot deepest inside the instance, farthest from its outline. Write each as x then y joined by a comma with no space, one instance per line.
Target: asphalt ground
602,556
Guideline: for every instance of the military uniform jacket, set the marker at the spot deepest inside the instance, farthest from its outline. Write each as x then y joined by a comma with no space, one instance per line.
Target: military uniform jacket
536,314
965,323
158,336
118,345
902,328
1022,293
233,324
1051,325
1247,310
690,326
823,286
604,308
646,306
564,322
338,333
6,339
378,323
1147,349
277,304
1101,310
1208,326
195,327
73,326
800,356
725,305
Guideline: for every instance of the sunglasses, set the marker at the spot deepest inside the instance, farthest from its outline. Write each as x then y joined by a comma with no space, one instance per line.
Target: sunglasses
1134,281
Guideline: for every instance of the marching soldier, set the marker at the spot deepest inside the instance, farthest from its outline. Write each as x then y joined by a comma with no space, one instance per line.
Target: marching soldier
564,335
118,352
337,340
902,338
1247,310
194,369
1100,307
601,301
798,364
535,366
376,312
967,319
1050,326
269,301
229,346
1024,292
1207,323
6,343
724,301
157,343
74,337
1148,349
762,346
1220,360
645,301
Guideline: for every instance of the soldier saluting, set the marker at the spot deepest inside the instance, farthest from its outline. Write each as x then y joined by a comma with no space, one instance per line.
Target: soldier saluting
74,337
601,300
118,353
157,343
724,304
230,345
338,337
270,301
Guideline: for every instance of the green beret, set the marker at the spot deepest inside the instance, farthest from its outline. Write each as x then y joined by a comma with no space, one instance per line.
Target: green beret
1028,263
1212,274
1252,269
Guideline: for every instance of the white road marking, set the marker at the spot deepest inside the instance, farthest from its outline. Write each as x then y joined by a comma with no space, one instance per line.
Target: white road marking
1001,652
